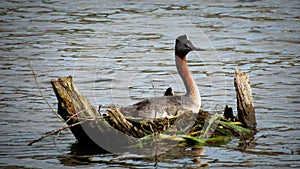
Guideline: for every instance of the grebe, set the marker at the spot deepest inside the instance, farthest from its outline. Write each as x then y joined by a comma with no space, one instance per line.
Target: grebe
171,105
169,92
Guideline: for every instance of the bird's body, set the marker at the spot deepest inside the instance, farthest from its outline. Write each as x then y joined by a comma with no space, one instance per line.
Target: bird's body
160,107
171,105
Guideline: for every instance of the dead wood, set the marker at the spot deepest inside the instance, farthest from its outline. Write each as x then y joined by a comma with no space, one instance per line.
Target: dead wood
245,105
119,122
72,106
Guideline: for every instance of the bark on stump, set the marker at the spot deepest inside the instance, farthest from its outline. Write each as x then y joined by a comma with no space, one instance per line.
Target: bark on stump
72,106
245,105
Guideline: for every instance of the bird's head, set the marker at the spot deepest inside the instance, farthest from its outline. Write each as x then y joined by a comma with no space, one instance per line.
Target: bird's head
183,46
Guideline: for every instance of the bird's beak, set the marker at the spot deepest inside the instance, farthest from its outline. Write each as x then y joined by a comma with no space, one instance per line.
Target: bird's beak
197,49
193,47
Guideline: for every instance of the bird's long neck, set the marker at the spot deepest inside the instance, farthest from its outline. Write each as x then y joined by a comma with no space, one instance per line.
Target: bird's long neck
186,76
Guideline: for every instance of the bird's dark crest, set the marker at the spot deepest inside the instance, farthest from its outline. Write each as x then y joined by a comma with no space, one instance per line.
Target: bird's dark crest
181,38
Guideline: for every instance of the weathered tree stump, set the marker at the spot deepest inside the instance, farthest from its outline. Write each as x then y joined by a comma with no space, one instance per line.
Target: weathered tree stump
91,128
245,105
72,106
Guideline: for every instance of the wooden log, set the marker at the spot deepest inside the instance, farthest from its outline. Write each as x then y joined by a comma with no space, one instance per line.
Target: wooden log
245,105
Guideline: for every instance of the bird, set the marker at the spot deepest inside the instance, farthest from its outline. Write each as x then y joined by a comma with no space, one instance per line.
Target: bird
171,105
169,92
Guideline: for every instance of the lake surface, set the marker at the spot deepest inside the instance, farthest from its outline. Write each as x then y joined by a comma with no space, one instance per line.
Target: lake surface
120,53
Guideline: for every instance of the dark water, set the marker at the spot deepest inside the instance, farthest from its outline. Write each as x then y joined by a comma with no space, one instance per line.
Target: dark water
117,53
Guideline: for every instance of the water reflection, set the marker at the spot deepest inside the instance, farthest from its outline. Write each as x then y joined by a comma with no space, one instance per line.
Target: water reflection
81,154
